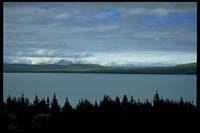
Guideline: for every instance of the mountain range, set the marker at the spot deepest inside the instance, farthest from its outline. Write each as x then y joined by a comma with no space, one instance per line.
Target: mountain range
68,67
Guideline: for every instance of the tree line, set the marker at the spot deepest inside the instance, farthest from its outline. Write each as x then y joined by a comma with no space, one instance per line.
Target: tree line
19,114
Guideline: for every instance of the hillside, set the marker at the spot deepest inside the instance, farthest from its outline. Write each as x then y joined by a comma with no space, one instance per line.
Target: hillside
93,68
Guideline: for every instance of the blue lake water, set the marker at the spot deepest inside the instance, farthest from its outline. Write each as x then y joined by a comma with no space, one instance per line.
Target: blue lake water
94,86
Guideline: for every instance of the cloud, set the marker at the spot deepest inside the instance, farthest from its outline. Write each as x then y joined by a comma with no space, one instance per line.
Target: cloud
67,30
143,11
154,12
42,52
17,60
145,58
160,8
107,14
62,16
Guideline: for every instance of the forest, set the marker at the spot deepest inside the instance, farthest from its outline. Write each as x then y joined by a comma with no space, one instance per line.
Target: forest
21,115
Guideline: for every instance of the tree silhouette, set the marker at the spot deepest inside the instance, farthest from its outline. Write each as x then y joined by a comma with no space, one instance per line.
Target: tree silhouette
67,108
20,115
117,100
156,99
55,108
84,106
48,103
125,100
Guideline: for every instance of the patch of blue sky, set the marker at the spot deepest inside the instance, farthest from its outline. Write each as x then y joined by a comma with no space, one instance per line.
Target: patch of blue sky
182,19
107,16
177,20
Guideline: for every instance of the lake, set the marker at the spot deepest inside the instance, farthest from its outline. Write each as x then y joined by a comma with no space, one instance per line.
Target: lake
94,86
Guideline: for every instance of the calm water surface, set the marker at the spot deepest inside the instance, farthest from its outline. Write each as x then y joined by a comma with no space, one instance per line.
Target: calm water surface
94,86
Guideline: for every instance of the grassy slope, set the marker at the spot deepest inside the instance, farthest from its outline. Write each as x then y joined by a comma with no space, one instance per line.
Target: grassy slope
88,68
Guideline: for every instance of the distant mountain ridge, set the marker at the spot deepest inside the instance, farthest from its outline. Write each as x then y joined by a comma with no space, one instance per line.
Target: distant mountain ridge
187,65
189,68
63,62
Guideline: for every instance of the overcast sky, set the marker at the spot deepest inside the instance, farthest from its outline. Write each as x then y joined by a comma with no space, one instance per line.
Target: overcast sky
100,33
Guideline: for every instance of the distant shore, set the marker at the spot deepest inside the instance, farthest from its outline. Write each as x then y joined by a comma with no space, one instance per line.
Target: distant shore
88,68
104,73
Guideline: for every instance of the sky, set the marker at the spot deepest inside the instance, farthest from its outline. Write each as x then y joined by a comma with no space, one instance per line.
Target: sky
109,33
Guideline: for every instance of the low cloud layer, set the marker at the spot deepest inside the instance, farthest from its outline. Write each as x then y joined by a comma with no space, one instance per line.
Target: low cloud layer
89,32
111,59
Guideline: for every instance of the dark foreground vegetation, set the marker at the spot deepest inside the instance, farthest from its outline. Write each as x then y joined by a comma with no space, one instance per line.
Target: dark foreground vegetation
21,115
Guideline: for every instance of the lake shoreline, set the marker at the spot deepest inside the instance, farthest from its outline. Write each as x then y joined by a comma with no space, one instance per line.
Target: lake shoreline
102,73
187,69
